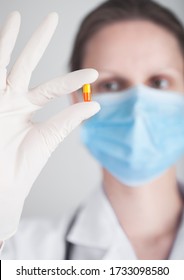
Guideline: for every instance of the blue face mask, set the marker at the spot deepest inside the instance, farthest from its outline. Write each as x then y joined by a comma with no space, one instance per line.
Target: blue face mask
138,134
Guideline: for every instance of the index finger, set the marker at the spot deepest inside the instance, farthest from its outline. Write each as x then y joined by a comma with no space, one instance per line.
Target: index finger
63,85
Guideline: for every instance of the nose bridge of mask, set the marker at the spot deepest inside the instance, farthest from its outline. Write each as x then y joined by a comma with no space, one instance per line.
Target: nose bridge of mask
141,133
138,104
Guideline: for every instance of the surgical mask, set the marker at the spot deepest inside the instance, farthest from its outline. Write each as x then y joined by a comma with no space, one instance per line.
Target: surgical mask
138,134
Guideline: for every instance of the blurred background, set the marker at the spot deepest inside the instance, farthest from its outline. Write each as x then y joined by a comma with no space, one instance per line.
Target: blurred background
71,173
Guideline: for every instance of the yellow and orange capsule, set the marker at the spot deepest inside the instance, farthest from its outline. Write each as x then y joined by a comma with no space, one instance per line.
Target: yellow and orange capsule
86,90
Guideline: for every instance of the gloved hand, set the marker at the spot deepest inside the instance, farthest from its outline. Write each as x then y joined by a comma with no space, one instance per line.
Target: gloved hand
25,146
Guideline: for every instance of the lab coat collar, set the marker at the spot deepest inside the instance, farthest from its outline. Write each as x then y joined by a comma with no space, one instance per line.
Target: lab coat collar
97,227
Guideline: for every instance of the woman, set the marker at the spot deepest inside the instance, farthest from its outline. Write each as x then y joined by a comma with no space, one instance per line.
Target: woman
132,43
137,47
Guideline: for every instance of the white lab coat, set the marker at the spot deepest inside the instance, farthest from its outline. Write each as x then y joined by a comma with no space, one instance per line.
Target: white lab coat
93,234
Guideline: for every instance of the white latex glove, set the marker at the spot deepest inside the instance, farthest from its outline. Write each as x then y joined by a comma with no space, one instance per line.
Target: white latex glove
24,146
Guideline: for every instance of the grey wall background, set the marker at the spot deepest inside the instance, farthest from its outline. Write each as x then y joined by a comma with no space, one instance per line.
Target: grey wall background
71,173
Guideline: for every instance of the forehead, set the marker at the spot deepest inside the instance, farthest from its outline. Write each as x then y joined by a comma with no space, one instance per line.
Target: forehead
133,43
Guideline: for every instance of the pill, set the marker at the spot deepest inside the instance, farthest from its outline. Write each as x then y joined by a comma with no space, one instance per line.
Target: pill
86,90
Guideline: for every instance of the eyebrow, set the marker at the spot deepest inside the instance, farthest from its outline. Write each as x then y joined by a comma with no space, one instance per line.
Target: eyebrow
169,70
105,74
111,75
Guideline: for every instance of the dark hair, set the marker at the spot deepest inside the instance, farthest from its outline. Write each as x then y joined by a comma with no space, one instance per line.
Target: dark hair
121,10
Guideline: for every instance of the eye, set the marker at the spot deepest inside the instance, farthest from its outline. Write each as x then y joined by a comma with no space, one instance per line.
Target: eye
159,83
110,86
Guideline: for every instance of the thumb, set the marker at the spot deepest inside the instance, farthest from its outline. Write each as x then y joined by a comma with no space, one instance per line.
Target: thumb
58,127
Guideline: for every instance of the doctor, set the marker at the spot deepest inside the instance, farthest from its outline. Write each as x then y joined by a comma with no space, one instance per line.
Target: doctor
137,47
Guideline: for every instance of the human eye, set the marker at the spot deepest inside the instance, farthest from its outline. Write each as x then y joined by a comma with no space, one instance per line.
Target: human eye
161,83
109,86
